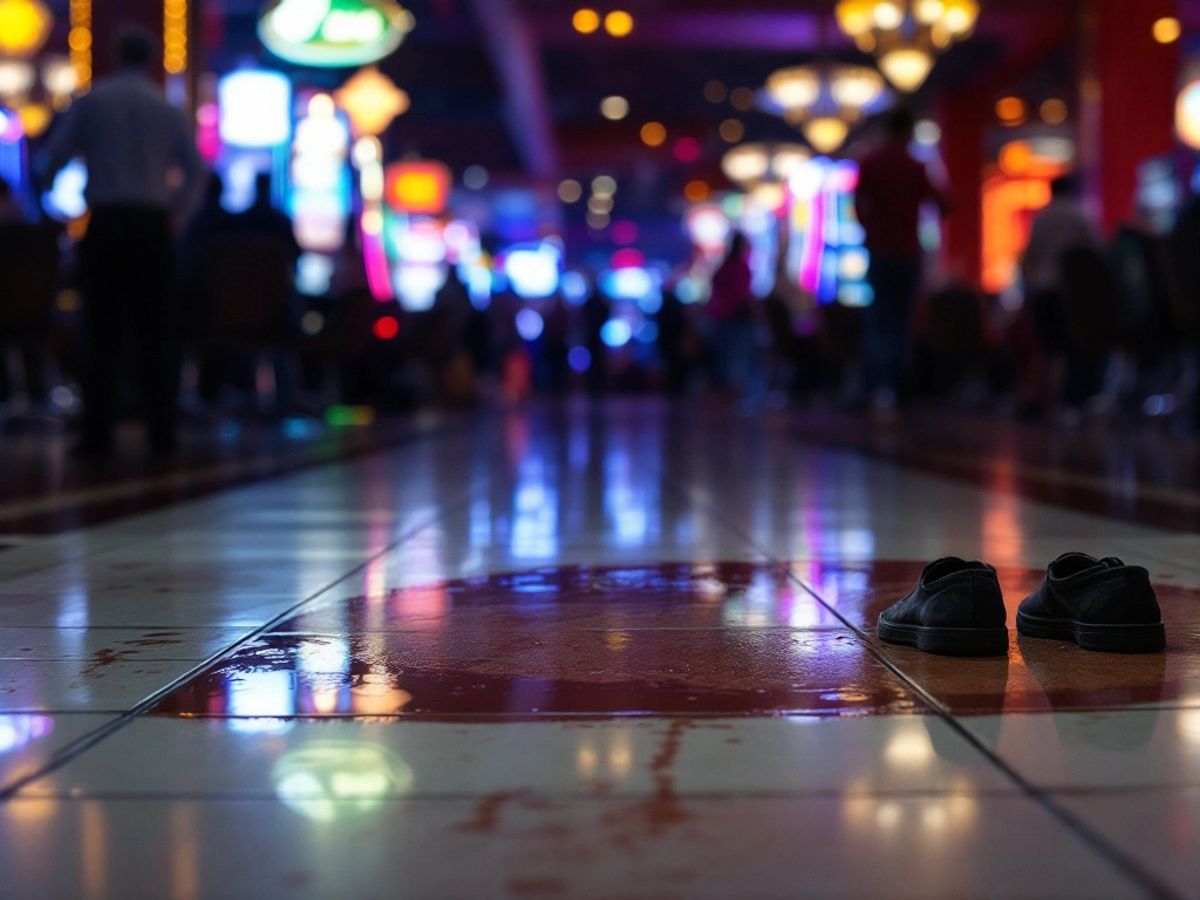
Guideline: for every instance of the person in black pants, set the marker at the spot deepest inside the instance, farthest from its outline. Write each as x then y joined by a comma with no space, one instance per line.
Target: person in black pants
135,146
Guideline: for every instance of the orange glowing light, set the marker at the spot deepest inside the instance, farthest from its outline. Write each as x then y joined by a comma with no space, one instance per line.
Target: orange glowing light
732,131
175,36
1054,111
1016,158
585,20
654,134
618,23
79,41
1167,30
696,191
420,188
24,27
1011,110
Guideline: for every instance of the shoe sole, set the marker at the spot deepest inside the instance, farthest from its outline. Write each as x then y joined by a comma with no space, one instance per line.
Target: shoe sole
1151,638
946,641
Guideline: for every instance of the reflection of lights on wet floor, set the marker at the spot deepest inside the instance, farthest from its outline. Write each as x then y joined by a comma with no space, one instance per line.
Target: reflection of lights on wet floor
1189,726
910,747
535,515
613,758
617,640
327,780
323,655
18,729
933,815
377,694
256,699
888,815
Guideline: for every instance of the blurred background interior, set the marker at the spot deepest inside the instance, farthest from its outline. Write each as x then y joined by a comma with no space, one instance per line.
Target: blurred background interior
491,200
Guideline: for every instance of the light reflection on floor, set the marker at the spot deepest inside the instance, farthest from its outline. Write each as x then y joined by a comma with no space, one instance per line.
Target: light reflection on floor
564,652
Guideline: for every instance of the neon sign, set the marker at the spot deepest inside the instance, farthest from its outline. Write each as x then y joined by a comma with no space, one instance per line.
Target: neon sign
334,33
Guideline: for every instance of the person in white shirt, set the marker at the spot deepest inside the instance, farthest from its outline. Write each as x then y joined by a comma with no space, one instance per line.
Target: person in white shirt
142,168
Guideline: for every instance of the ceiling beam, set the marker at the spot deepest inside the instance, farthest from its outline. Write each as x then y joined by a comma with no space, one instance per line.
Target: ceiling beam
514,53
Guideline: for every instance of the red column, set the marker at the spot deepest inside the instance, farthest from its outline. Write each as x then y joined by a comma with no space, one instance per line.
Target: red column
964,116
1131,81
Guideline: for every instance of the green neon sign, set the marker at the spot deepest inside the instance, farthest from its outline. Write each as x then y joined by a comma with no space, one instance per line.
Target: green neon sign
334,33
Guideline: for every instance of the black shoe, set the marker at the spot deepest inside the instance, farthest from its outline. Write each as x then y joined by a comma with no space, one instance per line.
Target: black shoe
957,609
1099,604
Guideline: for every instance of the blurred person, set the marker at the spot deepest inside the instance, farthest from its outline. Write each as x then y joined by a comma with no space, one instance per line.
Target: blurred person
596,312
1139,257
1058,229
210,222
673,334
28,261
892,188
731,314
555,345
453,367
142,167
1183,261
263,219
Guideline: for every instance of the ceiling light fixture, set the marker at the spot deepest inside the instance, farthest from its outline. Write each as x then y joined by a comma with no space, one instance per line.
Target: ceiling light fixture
906,35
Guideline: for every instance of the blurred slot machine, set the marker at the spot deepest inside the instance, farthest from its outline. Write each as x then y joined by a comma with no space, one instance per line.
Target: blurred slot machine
320,190
827,256
416,194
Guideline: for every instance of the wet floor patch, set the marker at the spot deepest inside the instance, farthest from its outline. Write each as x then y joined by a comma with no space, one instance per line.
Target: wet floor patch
670,639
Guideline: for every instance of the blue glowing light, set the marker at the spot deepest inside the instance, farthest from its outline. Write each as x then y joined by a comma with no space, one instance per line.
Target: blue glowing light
64,200
574,287
616,333
579,359
530,324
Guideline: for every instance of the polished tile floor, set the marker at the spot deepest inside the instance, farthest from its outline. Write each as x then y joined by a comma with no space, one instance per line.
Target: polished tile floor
618,650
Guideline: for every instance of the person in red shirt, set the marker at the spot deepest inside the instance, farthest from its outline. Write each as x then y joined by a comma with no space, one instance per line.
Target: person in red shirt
892,187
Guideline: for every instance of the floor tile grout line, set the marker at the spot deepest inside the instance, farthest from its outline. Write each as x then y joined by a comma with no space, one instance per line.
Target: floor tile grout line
80,745
218,796
1114,855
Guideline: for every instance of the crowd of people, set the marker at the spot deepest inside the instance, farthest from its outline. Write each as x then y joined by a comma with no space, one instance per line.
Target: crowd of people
172,282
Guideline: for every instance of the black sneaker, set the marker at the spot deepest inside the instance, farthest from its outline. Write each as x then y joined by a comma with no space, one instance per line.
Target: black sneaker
957,610
1099,604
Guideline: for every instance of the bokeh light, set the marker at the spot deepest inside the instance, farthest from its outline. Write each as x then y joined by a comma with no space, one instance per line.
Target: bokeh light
386,328
618,23
654,134
1011,110
696,191
614,108
1053,111
687,149
585,21
1167,30
732,131
570,190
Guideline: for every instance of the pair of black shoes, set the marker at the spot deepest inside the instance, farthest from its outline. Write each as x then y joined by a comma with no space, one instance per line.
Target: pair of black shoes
957,609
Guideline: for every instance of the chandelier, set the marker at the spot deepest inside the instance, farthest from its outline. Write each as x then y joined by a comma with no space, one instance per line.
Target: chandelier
823,102
905,35
751,164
